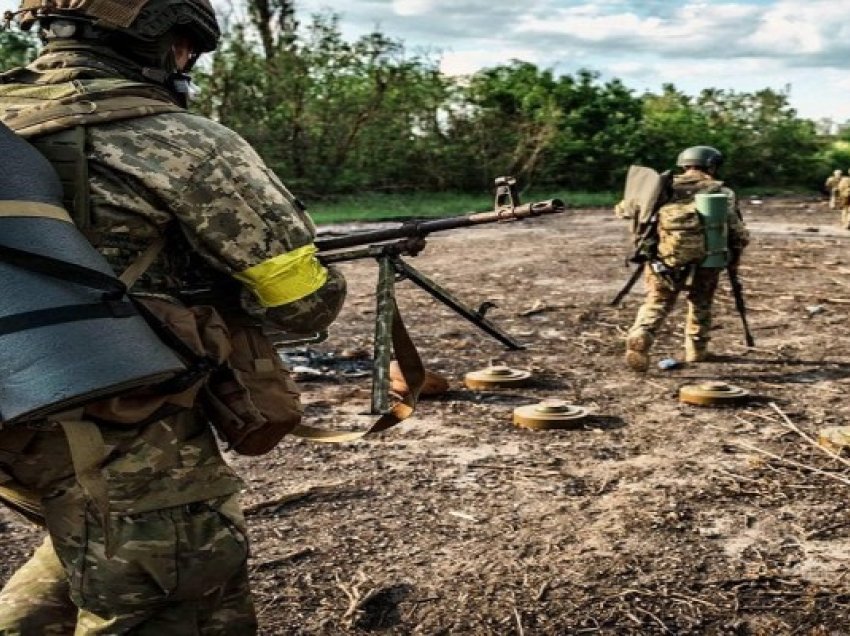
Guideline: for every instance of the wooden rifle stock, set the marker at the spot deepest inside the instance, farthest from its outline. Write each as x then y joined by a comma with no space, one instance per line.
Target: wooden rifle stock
740,305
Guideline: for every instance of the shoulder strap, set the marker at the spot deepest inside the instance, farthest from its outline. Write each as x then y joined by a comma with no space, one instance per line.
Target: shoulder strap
66,152
54,118
138,267
60,116
414,375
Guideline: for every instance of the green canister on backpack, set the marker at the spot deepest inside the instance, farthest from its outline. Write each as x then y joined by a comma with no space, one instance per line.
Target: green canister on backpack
714,209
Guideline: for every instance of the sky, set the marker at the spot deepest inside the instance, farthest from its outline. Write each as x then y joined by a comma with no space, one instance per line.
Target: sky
743,45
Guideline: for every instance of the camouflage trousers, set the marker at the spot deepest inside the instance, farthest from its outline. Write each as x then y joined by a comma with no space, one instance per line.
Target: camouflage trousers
38,600
154,568
845,217
661,298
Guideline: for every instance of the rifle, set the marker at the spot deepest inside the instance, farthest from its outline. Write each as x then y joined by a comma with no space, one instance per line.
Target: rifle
738,293
646,243
388,246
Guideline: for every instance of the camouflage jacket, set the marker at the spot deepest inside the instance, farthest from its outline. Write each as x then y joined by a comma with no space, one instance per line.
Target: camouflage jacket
843,191
198,183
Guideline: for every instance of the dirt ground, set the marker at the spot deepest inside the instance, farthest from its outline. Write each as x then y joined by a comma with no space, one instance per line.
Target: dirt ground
654,518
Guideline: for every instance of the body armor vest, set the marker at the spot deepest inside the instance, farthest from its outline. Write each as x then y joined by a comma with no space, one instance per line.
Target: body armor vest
54,118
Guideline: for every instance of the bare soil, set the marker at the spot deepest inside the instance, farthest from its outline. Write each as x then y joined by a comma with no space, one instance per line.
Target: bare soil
654,518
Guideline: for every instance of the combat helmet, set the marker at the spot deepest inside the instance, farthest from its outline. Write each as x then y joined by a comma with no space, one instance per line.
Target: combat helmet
142,31
133,21
700,156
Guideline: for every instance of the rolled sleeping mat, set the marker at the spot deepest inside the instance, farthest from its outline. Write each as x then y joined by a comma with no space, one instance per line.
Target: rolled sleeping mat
714,210
69,334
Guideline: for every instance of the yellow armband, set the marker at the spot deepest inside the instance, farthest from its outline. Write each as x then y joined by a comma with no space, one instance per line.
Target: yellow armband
285,278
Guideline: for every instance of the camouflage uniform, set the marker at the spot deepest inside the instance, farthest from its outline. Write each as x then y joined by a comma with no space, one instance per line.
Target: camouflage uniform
831,185
842,196
172,557
699,286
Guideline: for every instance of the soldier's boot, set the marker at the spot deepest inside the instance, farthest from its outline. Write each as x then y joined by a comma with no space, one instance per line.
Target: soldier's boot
696,350
638,344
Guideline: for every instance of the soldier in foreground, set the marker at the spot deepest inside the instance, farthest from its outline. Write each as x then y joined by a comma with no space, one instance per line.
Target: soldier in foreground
173,557
831,185
680,262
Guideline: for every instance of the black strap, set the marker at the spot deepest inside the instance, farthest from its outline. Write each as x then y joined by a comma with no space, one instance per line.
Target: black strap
63,270
69,313
197,366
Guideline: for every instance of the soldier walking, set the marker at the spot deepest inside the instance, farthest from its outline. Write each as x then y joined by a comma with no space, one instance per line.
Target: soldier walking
682,261
831,185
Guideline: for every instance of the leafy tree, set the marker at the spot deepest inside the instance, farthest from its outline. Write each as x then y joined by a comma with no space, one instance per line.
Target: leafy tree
17,49
331,116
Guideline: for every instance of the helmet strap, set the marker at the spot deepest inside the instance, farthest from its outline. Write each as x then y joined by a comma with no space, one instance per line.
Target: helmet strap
178,84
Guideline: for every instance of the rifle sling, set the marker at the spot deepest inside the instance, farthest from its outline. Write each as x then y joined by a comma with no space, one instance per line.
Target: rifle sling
414,376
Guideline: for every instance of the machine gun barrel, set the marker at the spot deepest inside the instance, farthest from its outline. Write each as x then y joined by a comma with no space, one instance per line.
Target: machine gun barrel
387,247
419,229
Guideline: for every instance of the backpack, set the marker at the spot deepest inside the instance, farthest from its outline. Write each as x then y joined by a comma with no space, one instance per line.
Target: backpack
681,231
231,369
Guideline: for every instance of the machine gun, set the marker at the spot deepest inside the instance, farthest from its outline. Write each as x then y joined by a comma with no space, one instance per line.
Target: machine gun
388,246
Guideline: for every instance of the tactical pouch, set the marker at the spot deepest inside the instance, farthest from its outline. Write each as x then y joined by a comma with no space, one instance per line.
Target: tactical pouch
233,370
252,401
681,235
198,335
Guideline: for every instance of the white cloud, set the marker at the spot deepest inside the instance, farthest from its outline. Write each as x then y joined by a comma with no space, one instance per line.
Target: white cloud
467,62
691,29
413,7
738,44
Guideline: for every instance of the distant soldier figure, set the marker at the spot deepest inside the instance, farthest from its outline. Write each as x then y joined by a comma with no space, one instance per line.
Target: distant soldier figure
688,258
842,200
831,185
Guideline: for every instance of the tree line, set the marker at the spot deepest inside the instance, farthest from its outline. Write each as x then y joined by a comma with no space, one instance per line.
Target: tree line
335,116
